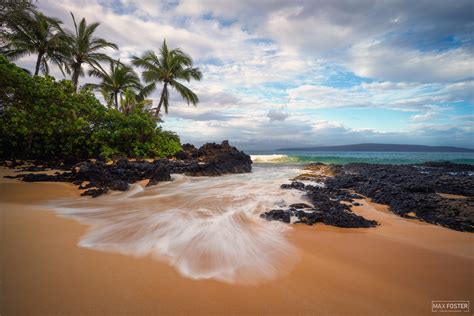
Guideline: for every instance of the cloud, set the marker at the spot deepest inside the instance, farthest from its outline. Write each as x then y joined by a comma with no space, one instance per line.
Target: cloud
376,60
403,96
277,115
315,57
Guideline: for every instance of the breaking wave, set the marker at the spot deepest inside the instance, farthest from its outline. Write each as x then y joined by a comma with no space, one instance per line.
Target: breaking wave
274,158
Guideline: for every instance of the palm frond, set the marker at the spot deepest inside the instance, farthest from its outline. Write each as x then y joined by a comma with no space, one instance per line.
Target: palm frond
187,94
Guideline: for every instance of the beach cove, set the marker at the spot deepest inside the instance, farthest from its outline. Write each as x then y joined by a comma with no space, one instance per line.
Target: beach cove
397,267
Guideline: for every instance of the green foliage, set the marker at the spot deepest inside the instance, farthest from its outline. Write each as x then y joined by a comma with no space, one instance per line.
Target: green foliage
41,118
167,68
135,134
84,48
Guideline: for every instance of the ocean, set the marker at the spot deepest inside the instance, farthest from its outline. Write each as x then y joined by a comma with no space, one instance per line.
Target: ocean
338,157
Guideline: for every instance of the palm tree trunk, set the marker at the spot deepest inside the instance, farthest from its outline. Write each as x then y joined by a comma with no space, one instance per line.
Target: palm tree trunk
116,100
75,75
162,99
38,63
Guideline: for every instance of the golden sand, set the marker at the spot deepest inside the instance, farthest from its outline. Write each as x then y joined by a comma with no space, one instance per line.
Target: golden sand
396,268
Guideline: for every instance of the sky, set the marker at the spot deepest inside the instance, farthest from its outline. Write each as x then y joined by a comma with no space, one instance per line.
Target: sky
295,73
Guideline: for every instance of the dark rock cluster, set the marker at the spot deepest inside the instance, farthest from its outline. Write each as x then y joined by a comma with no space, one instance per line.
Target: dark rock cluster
42,165
411,191
212,159
326,208
97,177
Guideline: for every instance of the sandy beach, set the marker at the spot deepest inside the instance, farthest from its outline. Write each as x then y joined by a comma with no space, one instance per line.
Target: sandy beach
396,268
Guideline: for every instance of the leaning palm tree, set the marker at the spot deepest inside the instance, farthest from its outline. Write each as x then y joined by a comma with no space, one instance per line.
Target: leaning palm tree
85,48
167,68
115,81
35,33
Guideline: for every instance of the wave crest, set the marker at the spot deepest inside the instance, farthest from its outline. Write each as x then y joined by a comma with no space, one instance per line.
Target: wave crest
274,158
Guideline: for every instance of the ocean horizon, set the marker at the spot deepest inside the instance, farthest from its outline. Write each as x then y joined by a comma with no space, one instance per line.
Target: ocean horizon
339,157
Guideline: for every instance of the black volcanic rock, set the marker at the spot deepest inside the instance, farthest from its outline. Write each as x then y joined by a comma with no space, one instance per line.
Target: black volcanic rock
412,189
326,208
159,173
97,177
293,185
118,185
277,215
300,205
41,177
94,192
181,155
213,160
335,217
34,168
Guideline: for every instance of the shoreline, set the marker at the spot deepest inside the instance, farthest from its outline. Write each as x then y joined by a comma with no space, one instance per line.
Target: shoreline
397,267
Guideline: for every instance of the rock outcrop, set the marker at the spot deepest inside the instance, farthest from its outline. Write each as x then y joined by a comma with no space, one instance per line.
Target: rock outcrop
440,193
97,177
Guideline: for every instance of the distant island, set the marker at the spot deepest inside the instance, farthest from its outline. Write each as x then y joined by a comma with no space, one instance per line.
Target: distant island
383,147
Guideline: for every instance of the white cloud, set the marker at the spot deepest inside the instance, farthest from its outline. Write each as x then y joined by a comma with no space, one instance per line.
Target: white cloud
376,60
398,96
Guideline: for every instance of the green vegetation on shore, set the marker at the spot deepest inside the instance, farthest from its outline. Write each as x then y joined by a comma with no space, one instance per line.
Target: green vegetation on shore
42,118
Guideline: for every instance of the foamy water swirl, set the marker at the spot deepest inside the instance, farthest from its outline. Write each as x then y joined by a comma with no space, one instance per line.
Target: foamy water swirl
206,227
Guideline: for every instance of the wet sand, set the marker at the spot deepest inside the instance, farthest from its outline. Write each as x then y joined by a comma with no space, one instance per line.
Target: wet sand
396,268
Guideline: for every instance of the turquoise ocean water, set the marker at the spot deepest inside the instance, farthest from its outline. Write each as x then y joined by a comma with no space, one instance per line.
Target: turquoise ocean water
366,157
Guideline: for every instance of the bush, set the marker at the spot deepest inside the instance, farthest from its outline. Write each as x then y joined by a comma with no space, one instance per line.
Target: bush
135,134
41,118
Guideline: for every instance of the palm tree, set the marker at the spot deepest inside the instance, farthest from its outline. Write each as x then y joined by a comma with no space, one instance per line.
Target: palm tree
119,78
167,68
35,33
131,100
84,48
10,10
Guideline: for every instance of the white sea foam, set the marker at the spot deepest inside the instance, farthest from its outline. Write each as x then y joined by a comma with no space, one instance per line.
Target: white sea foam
206,227
274,158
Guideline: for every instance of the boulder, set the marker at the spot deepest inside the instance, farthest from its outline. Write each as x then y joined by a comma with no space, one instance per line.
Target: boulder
94,192
277,215
160,173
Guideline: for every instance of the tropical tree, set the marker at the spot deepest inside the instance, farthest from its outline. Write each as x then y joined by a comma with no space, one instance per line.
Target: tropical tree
10,9
167,68
35,33
115,81
85,48
130,101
